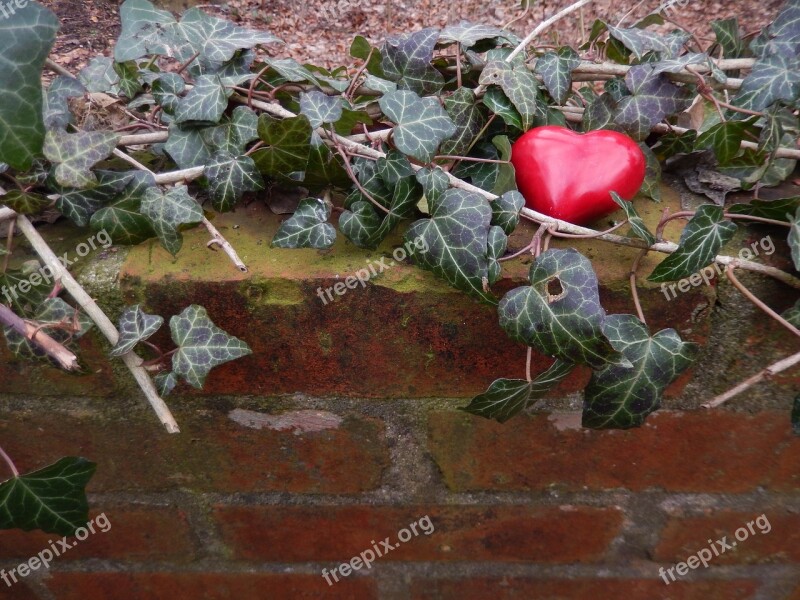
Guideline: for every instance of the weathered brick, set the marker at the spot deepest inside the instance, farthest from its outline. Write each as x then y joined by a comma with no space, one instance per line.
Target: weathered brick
514,588
698,451
136,533
210,586
795,595
433,340
17,591
467,533
213,453
684,536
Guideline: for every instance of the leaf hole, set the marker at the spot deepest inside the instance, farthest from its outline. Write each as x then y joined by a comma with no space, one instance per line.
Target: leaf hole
555,291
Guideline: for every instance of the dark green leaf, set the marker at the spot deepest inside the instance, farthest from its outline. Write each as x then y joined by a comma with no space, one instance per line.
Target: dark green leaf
52,314
422,124
205,102
201,345
165,383
56,107
621,397
434,184
25,203
728,36
652,98
792,314
468,34
288,144
520,86
773,78
122,220
167,212
637,224
407,61
671,144
779,210
496,248
508,397
307,227
599,114
796,415
497,102
100,76
641,42
505,211
52,499
556,71
319,108
652,175
76,153
700,242
559,313
145,30
135,326
25,40
467,114
724,138
229,177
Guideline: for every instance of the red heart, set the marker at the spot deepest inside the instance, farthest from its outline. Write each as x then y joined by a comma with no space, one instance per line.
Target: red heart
569,175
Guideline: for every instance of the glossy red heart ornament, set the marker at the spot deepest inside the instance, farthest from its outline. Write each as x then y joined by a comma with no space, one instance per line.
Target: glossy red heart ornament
569,175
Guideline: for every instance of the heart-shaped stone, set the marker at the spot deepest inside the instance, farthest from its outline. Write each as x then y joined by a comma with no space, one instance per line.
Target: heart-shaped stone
569,175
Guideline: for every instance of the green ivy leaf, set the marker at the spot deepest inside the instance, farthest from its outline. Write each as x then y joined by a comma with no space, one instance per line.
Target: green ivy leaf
52,311
792,314
675,65
467,114
56,108
671,144
100,76
307,227
700,242
652,98
168,211
779,210
637,224
422,124
456,237
165,383
52,499
229,177
619,397
205,102
559,313
76,153
725,138
188,146
640,42
556,71
201,345
26,37
729,37
25,203
288,144
599,113
324,168
320,108
79,205
773,78
167,91
495,248
122,219
506,209
393,167
407,61
794,239
506,398
361,48
434,184
145,30
468,34
129,82
520,86
135,326
19,292
651,187
497,102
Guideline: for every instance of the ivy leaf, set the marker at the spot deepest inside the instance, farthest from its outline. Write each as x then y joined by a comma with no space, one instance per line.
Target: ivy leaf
145,30
622,397
52,311
361,48
779,210
468,34
640,41
18,291
556,71
671,144
206,101
288,144
407,61
637,224
79,205
320,108
52,499
434,184
559,313
495,248
129,82
675,65
792,314
519,85
776,77
599,113
456,237
781,36
724,138
26,37
229,177
100,76
506,398
422,124
307,227
167,90
700,242
76,153
122,219
188,146
651,187
497,102
165,383
168,211
794,239
324,168
465,111
796,415
506,209
393,167
56,108
652,98
135,326
359,223
25,203
729,37
201,345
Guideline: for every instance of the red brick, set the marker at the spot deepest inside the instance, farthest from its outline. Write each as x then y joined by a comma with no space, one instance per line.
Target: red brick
433,340
136,533
209,586
462,533
699,451
684,536
17,591
212,453
795,595
509,588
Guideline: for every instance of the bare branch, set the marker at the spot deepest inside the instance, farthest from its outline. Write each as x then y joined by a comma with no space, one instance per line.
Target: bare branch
762,375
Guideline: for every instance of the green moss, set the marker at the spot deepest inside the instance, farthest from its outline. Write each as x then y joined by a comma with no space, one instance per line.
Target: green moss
263,292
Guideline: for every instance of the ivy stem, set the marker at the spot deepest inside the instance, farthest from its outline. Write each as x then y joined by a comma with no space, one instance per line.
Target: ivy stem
472,159
528,365
634,289
755,300
774,369
8,245
9,462
584,236
185,65
355,180
351,89
545,25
